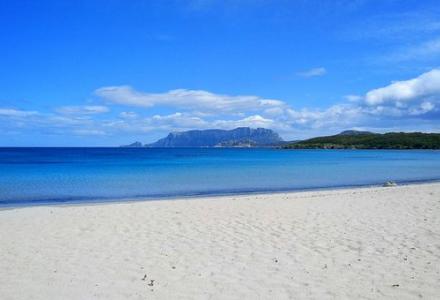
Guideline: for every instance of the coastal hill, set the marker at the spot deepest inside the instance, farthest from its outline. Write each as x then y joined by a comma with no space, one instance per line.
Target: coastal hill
368,140
238,137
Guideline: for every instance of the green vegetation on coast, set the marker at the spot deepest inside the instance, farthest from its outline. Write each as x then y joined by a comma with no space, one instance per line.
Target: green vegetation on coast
368,140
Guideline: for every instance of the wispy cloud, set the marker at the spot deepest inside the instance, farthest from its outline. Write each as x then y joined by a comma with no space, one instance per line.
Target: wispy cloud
423,51
393,27
185,99
10,112
409,37
353,98
128,115
315,72
88,132
83,109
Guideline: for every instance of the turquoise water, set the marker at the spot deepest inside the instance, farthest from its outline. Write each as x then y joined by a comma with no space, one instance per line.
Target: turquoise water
45,175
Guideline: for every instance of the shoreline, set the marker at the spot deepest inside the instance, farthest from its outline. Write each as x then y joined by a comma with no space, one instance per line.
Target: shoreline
98,201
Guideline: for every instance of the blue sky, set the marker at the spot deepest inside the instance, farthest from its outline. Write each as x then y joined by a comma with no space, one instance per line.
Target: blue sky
105,73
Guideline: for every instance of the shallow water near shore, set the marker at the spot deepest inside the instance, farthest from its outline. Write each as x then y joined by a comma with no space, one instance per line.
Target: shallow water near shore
57,175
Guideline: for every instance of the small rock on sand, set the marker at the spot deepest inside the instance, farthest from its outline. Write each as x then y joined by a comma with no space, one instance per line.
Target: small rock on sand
389,184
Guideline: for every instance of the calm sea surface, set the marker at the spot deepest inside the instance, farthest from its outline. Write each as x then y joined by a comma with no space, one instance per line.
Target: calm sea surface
45,175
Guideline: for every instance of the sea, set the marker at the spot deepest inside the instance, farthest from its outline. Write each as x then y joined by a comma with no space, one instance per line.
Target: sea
35,176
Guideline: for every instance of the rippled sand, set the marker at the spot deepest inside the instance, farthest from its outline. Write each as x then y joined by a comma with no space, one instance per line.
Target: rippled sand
370,243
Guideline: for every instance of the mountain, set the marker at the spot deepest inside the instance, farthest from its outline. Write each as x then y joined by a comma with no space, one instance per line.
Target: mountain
368,140
239,137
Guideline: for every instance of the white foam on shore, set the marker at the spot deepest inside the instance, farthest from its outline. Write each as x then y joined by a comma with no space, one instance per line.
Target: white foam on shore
366,243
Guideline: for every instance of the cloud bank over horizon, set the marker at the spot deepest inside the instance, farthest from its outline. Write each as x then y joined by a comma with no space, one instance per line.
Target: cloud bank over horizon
411,104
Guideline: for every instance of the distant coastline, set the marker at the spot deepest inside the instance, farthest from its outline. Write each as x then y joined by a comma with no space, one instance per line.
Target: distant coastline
245,137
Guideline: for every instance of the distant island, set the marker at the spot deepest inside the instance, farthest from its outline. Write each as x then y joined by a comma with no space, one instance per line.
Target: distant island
245,137
238,137
352,139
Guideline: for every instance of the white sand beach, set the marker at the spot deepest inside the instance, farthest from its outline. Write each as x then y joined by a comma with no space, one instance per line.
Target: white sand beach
366,243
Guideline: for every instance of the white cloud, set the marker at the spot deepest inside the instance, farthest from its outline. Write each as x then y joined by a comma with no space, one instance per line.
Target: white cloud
65,121
334,115
402,103
426,85
274,111
427,50
423,108
88,132
200,109
184,121
253,121
83,109
10,112
179,120
128,115
315,72
185,99
394,26
353,98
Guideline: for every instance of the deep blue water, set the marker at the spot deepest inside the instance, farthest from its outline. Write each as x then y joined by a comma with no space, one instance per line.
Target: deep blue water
45,175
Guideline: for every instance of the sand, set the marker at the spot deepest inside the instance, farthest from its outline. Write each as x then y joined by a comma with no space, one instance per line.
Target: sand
368,243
